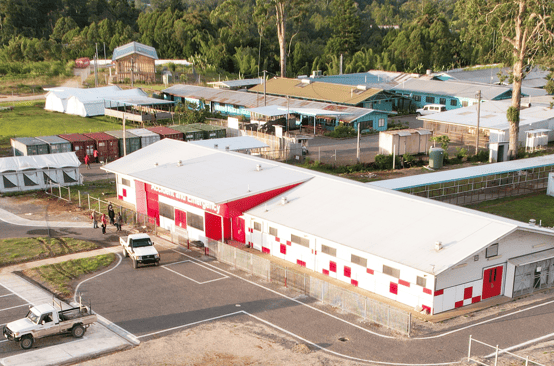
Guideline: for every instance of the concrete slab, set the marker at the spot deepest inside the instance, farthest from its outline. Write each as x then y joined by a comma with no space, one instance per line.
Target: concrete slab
13,219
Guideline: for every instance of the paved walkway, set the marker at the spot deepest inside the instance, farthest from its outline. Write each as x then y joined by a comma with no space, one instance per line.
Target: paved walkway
13,219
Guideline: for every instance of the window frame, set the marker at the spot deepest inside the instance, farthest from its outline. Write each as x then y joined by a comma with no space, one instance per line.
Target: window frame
273,231
360,261
442,101
421,281
391,271
454,102
417,98
381,122
328,250
300,241
166,211
430,99
192,219
493,246
257,226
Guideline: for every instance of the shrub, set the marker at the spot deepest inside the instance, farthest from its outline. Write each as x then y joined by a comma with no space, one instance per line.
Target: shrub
342,132
383,162
481,156
461,153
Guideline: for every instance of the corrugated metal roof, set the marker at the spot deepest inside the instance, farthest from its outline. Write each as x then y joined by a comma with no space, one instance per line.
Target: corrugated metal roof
493,115
237,83
143,132
119,134
374,78
234,143
535,79
451,88
253,100
52,139
29,141
532,258
60,160
72,137
324,92
464,173
206,173
339,211
134,48
115,101
100,136
332,208
270,111
162,130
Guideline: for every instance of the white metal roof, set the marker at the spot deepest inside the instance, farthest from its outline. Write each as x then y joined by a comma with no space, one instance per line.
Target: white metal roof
234,143
270,110
392,225
532,258
452,88
213,175
142,132
238,83
464,173
52,161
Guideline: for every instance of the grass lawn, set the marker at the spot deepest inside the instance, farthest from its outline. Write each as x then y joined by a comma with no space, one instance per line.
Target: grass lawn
58,277
19,250
29,119
522,208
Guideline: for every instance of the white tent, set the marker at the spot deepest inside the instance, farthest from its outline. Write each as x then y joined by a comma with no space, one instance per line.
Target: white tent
85,102
27,173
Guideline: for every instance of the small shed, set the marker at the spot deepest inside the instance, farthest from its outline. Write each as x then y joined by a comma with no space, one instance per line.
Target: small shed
23,146
399,142
107,145
56,144
210,132
146,137
166,132
81,144
190,133
27,173
132,141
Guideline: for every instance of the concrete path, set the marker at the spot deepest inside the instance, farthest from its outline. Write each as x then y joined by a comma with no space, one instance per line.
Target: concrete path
13,219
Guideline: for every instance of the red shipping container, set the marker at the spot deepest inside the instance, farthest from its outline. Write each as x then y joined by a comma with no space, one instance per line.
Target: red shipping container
107,145
81,144
167,133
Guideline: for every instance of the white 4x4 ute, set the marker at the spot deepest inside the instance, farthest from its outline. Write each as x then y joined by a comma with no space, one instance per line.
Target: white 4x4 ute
140,248
431,109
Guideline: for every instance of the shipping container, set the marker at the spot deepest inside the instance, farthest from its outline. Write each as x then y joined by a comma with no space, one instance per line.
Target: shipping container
190,133
81,144
132,141
56,144
107,146
166,132
210,132
146,137
23,146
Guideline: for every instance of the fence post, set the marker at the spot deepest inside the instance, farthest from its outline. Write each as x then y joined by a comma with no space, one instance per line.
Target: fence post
79,194
286,276
365,307
99,207
496,356
409,324
60,190
88,197
527,361
469,350
69,193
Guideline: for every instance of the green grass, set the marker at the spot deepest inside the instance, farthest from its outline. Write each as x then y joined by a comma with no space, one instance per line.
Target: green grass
58,277
29,119
19,250
521,208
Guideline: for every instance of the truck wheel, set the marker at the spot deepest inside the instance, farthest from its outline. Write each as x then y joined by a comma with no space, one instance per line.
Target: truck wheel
125,254
26,341
135,264
77,331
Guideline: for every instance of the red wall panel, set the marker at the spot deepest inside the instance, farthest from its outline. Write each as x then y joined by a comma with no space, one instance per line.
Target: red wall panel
226,229
141,197
152,205
180,218
213,226
238,229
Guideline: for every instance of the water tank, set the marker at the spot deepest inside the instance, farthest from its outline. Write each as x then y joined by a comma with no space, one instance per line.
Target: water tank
436,155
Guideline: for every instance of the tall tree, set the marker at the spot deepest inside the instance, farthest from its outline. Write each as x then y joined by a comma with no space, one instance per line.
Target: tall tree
282,11
345,23
526,31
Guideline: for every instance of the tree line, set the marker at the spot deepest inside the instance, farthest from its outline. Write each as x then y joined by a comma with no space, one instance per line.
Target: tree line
284,37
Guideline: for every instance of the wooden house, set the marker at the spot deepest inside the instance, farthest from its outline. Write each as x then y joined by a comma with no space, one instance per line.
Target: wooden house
134,62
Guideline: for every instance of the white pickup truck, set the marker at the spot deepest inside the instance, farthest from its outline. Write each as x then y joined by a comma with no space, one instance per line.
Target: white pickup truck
140,248
46,320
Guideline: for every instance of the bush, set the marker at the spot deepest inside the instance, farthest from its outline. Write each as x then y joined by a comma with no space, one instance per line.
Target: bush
461,153
482,156
409,160
383,162
342,132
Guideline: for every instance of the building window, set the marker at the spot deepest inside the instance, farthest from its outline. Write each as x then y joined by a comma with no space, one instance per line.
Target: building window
421,281
358,260
298,240
328,250
195,221
492,251
453,102
417,98
442,101
257,226
125,182
391,271
166,210
273,231
464,103
430,99
381,122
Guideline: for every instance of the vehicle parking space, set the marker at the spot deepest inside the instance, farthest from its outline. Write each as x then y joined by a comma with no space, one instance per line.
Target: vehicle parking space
195,272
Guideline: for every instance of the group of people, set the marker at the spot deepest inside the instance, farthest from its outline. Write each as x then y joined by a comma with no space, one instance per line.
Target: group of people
87,158
116,221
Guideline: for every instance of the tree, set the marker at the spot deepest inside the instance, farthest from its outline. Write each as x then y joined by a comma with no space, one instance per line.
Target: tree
282,11
526,32
346,28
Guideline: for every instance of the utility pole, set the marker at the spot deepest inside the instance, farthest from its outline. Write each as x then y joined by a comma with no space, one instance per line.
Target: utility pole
124,139
96,67
132,71
287,114
478,120
265,97
358,145
104,50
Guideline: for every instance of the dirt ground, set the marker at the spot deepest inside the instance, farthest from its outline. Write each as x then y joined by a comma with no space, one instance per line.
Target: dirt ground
39,206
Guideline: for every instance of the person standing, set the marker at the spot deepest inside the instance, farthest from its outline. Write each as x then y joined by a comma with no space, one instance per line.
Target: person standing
95,154
119,221
87,161
94,221
111,214
104,223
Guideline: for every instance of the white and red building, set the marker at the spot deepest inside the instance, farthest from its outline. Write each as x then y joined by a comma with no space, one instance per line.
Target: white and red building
422,253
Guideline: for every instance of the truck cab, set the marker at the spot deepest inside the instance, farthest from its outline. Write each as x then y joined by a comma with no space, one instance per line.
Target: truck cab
140,248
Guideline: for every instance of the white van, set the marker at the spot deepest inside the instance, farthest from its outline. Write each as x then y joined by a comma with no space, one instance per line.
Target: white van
430,109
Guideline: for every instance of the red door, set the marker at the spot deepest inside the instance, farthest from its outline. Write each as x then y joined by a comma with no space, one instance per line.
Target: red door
492,282
238,229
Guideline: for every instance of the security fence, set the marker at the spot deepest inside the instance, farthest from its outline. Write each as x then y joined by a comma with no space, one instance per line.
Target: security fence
493,357
328,293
